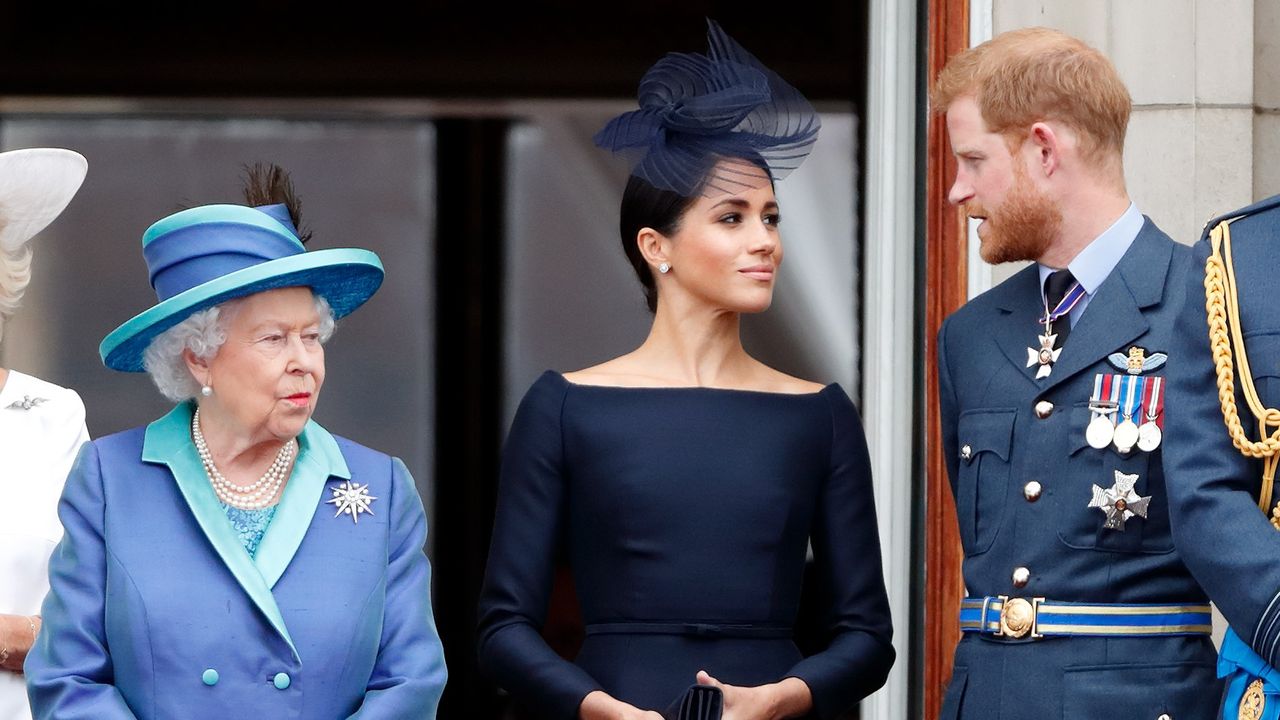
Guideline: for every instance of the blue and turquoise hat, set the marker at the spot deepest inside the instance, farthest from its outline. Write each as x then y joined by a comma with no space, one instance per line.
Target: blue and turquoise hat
207,255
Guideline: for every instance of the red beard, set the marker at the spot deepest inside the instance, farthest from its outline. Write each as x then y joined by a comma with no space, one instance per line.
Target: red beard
1022,228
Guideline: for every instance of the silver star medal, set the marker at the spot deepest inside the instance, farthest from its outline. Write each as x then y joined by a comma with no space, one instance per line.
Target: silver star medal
352,498
1119,502
1046,355
26,403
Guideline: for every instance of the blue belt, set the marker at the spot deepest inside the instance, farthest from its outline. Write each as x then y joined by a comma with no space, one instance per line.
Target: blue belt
1035,618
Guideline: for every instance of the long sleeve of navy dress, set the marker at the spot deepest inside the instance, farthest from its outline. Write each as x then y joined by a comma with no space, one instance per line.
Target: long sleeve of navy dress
687,514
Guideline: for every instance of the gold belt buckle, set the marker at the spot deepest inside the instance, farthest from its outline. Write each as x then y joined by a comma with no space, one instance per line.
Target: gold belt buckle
1019,617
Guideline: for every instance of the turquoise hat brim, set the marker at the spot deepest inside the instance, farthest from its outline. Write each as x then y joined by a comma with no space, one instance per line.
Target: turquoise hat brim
344,277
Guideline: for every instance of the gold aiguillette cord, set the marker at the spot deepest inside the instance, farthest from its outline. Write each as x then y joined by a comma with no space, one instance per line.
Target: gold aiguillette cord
1222,307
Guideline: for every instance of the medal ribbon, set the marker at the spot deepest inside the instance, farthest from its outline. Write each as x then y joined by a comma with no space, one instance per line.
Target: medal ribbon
1103,394
1067,303
1132,388
1154,401
1107,389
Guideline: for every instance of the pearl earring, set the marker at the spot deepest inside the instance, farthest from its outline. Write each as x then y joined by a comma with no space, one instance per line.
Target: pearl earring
206,391
664,268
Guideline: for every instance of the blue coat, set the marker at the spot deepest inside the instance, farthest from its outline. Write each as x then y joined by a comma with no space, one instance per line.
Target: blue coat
1224,537
988,399
155,610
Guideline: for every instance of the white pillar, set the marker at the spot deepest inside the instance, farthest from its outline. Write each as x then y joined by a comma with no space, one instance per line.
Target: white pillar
888,336
980,30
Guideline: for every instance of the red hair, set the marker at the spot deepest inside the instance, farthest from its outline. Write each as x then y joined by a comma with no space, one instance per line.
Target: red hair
1022,77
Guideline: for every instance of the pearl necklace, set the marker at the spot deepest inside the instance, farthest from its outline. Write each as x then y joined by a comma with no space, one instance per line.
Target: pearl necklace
255,496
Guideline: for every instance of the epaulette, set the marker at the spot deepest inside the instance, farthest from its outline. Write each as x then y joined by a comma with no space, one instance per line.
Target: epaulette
1258,207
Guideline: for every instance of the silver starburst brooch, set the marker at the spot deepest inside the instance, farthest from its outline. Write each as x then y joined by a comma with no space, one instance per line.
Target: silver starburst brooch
352,499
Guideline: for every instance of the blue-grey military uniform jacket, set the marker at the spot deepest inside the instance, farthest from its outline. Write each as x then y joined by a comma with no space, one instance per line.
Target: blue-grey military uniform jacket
1223,535
1003,429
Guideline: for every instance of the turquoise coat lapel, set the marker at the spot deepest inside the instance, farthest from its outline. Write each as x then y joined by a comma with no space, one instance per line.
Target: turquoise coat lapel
318,459
168,442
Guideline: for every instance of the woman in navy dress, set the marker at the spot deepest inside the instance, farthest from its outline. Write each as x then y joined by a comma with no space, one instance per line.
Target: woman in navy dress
687,478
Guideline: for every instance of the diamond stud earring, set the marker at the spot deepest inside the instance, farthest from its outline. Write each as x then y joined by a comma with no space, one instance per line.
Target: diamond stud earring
664,268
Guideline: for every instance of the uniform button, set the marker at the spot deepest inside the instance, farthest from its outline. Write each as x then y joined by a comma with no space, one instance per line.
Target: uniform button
1031,491
1165,716
281,681
210,677
966,452
1021,576
1044,409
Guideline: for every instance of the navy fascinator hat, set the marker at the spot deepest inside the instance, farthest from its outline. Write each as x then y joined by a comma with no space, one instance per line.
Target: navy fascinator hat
698,109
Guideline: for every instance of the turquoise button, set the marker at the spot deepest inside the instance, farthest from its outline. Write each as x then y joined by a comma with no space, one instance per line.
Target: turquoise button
210,677
282,681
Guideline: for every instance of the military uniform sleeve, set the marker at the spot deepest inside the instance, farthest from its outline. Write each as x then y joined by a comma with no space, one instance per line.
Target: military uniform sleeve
846,548
518,579
1224,539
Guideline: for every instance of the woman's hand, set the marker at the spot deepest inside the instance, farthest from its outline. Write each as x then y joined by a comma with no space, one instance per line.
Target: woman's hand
787,698
599,705
17,635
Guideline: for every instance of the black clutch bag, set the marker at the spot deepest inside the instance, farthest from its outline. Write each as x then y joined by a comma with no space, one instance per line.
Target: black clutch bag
699,702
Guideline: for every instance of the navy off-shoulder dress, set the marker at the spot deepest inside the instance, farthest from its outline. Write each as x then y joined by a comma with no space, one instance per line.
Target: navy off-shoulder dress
687,513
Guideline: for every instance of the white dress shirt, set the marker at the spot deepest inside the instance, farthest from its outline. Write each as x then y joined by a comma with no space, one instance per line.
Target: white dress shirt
41,430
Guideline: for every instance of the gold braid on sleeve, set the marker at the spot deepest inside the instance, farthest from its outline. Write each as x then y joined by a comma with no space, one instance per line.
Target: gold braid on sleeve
1222,307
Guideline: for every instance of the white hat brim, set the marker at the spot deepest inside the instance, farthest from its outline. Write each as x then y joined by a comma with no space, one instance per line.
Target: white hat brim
36,184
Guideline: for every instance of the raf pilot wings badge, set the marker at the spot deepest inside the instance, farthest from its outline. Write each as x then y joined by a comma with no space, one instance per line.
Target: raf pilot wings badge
1137,361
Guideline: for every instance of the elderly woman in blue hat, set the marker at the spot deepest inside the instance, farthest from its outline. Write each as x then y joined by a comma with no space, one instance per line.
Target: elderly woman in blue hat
234,559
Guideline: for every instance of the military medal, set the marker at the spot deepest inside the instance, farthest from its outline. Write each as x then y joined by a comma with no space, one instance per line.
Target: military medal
1126,435
1119,502
1100,432
1149,437
1102,426
1149,434
1046,355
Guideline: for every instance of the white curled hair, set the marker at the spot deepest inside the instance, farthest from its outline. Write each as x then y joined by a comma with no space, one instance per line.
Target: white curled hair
203,334
15,275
